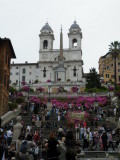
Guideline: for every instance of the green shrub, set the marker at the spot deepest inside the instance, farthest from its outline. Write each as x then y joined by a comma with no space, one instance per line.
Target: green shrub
101,89
12,89
36,81
12,106
31,90
20,100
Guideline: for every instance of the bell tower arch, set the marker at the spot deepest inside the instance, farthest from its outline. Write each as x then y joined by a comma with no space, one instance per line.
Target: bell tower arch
75,36
46,38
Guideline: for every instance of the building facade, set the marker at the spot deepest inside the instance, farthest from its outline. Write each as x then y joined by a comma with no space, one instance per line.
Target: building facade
53,64
107,68
6,53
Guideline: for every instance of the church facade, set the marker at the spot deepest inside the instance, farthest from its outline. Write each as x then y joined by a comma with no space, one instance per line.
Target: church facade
53,64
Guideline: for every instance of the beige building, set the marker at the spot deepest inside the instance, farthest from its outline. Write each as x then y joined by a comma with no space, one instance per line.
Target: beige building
107,67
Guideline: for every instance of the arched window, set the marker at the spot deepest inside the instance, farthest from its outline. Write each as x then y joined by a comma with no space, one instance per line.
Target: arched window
24,70
23,78
74,42
45,44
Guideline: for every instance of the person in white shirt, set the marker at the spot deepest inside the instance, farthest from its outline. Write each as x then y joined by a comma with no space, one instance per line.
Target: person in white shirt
81,132
36,152
115,111
9,137
29,128
90,136
77,132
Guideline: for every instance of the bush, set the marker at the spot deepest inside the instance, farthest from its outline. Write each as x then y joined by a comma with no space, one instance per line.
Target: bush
12,89
36,81
12,106
101,89
31,90
20,100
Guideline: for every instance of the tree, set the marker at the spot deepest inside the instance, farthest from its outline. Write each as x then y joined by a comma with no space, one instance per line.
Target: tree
93,79
114,49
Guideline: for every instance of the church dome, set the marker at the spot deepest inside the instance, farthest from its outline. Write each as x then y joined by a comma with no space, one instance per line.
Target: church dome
46,27
75,26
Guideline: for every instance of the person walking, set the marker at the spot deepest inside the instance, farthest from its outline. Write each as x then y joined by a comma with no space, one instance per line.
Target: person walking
81,133
70,146
52,151
77,132
104,140
85,141
110,141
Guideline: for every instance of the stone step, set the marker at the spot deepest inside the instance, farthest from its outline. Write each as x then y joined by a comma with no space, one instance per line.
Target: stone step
95,154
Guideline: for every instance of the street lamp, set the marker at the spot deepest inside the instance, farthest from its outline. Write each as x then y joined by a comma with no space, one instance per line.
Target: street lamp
77,77
49,93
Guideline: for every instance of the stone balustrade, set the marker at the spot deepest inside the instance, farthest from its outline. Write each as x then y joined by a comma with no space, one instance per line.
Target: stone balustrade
10,115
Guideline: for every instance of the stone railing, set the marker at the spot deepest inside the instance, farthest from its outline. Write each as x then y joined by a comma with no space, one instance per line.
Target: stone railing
10,115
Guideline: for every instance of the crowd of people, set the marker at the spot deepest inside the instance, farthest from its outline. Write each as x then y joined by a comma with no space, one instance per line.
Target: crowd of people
63,142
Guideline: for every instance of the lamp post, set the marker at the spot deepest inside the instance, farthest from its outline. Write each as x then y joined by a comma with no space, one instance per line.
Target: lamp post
77,77
28,92
49,93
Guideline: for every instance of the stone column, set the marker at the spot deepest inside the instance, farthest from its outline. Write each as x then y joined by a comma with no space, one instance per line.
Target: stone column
17,128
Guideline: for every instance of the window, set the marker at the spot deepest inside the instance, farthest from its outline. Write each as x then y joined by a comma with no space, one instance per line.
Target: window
107,75
45,44
24,70
112,76
23,78
74,42
118,63
107,67
29,81
16,67
10,73
8,63
16,81
37,66
17,73
118,70
44,72
74,71
8,84
30,73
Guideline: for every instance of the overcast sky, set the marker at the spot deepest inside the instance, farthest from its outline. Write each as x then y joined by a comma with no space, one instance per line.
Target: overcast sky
22,20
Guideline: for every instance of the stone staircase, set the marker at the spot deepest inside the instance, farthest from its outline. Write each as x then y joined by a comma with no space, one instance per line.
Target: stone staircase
46,131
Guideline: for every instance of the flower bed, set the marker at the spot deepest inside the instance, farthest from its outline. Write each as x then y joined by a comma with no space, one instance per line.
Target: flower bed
77,117
80,101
